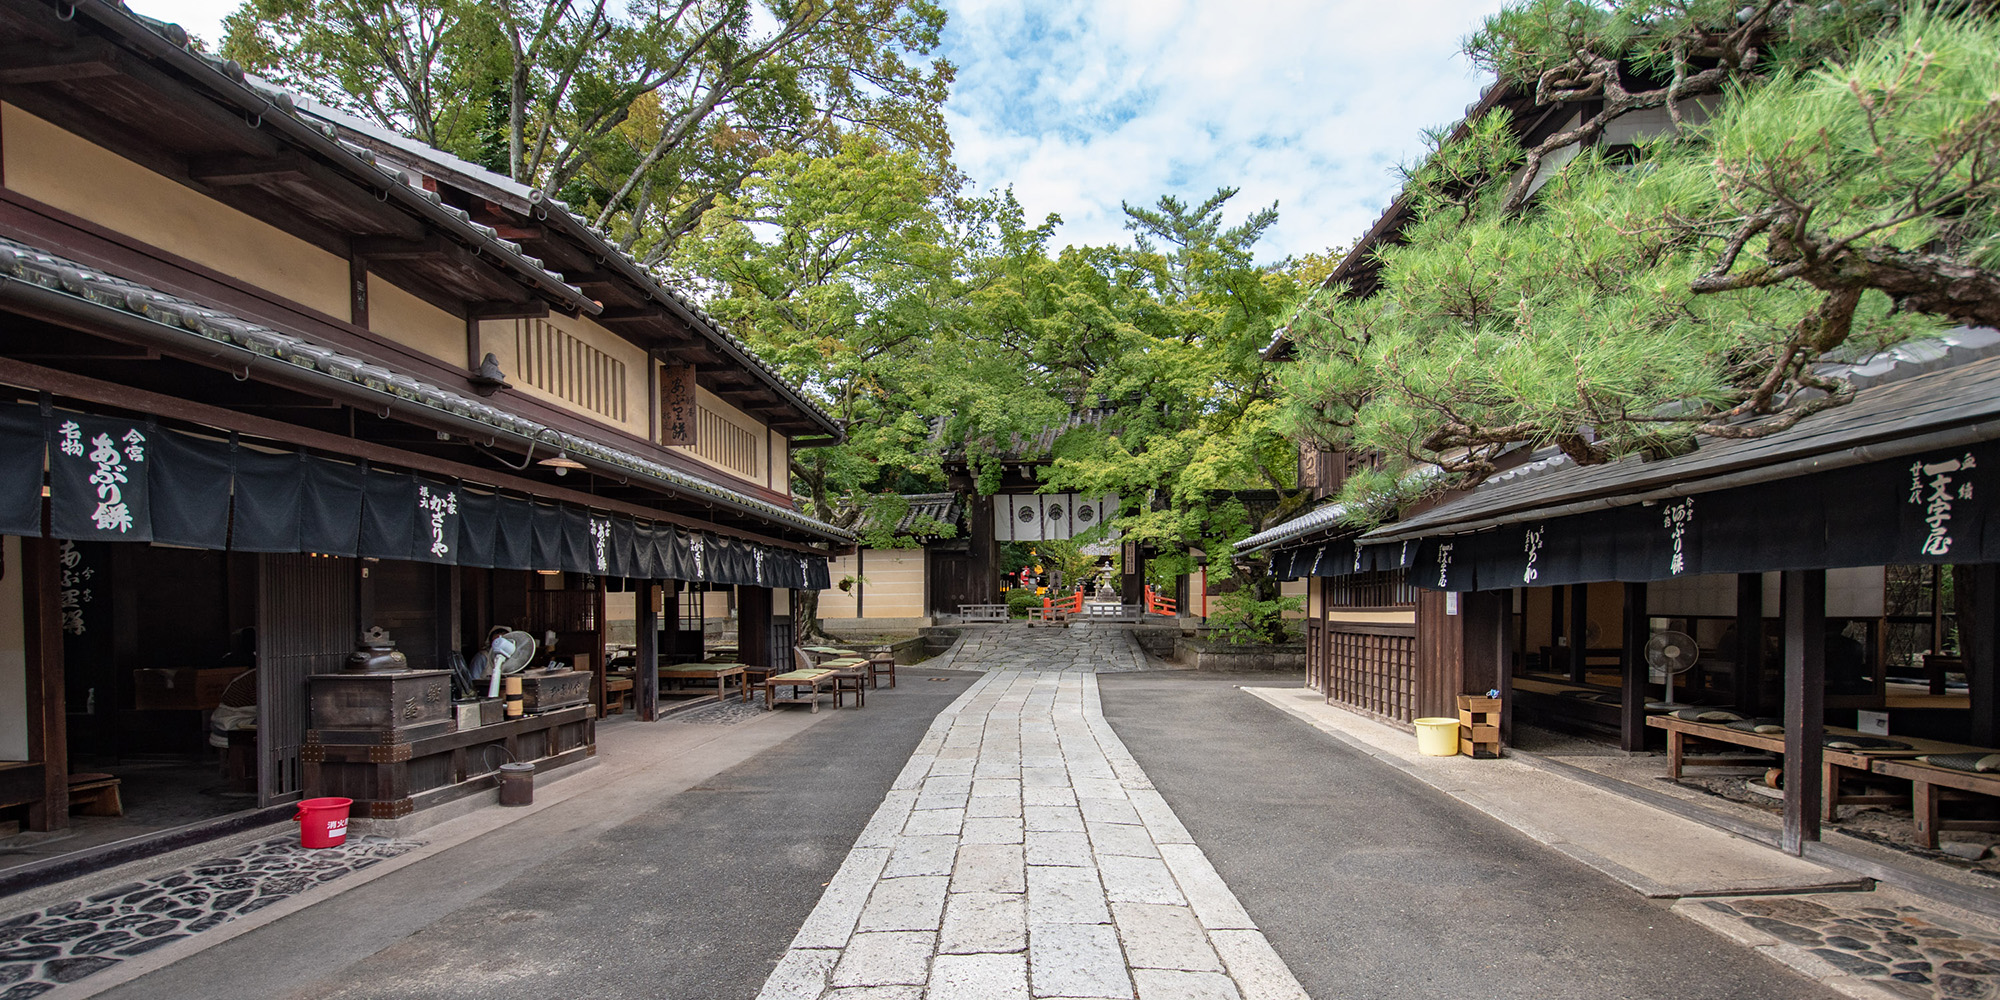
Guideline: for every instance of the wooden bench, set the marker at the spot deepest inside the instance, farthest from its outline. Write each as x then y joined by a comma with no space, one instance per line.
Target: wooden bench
816,681
1834,763
617,692
982,612
1927,782
716,673
95,795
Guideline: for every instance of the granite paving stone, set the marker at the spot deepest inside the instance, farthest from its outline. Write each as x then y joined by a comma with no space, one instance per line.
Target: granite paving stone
1023,853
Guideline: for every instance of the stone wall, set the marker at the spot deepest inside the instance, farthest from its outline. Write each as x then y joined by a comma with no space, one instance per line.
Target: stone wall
1205,654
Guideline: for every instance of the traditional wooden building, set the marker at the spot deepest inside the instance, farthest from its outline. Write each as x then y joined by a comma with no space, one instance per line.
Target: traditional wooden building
270,378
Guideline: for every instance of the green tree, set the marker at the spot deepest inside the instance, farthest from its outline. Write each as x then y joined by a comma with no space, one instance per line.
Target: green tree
644,116
1838,201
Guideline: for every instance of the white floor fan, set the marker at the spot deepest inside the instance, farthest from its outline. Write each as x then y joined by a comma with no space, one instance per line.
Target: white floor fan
1668,655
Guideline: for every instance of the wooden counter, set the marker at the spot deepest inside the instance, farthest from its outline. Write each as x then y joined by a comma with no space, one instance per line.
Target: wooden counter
392,780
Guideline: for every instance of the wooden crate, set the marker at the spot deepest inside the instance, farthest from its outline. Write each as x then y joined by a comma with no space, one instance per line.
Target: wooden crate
1478,726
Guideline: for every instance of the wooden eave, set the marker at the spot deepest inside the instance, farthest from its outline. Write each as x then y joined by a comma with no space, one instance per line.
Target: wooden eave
126,102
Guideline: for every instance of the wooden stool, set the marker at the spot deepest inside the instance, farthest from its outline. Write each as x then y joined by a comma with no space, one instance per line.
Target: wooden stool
879,664
617,691
95,795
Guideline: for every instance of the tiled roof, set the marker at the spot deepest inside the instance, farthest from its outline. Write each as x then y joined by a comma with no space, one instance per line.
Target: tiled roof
22,263
927,508
1536,483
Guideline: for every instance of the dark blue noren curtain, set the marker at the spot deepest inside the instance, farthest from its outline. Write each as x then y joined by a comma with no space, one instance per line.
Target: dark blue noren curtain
23,443
388,515
513,533
577,554
548,537
191,478
265,517
98,482
478,520
330,507
624,549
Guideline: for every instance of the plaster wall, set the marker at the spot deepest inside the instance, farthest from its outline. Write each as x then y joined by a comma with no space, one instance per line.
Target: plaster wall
66,171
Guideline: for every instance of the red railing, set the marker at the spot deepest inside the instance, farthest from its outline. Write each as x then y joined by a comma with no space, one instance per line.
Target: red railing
1155,604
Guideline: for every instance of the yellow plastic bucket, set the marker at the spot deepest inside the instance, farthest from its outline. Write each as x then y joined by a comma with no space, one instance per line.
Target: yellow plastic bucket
1437,737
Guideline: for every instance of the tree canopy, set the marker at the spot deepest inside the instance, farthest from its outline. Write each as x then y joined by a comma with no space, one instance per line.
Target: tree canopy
642,116
1826,190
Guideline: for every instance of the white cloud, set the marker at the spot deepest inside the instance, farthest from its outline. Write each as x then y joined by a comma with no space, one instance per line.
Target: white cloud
1311,104
1082,104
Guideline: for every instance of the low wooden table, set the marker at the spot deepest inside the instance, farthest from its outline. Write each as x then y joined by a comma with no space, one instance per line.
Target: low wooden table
1926,781
720,673
855,679
617,691
1833,763
817,680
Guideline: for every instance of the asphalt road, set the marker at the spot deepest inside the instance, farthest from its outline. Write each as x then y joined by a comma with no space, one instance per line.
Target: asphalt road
692,897
1372,884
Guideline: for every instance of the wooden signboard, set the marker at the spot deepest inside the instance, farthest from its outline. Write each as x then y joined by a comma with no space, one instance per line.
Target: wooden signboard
677,405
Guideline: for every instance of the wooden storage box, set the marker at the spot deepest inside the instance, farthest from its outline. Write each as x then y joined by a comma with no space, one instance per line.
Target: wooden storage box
393,707
549,692
184,688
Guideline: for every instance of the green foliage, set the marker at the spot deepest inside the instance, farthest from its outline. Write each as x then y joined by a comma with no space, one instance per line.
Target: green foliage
643,116
1019,600
1243,618
1828,208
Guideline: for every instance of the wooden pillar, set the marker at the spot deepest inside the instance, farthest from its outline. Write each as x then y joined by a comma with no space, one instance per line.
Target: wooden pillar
1579,629
1507,656
1556,632
48,733
753,627
446,580
1805,704
1979,642
982,551
646,672
1488,638
670,620
1748,678
1632,660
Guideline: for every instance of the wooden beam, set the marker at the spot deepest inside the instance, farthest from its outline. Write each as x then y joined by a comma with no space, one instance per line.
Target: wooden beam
1632,657
48,720
1980,644
230,171
1805,705
393,248
753,629
626,314
40,64
646,672
533,309
1579,630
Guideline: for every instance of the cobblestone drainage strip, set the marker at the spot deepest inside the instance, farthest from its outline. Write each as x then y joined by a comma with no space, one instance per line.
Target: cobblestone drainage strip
68,941
1900,950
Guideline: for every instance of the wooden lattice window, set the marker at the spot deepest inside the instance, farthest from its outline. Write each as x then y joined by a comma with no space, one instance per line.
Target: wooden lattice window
557,362
1373,672
726,444
1383,589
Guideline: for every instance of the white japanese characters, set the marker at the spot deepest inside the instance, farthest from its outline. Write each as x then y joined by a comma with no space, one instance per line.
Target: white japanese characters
1444,564
110,478
1932,486
437,505
600,545
1531,543
1677,519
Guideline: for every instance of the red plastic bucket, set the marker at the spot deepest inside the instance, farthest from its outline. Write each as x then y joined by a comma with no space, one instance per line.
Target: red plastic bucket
322,822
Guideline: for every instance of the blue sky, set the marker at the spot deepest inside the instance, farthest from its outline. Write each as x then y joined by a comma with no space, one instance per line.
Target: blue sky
1084,104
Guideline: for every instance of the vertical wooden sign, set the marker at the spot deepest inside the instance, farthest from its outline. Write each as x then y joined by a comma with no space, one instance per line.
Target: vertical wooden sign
677,405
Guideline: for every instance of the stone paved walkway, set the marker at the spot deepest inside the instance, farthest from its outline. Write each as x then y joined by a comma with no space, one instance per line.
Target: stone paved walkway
1093,648
68,941
1879,940
1022,853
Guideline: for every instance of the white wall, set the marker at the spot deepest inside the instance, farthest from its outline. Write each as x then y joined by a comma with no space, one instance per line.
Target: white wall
1856,592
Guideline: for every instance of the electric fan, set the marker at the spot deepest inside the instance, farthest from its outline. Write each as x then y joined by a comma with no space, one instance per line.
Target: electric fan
1670,654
